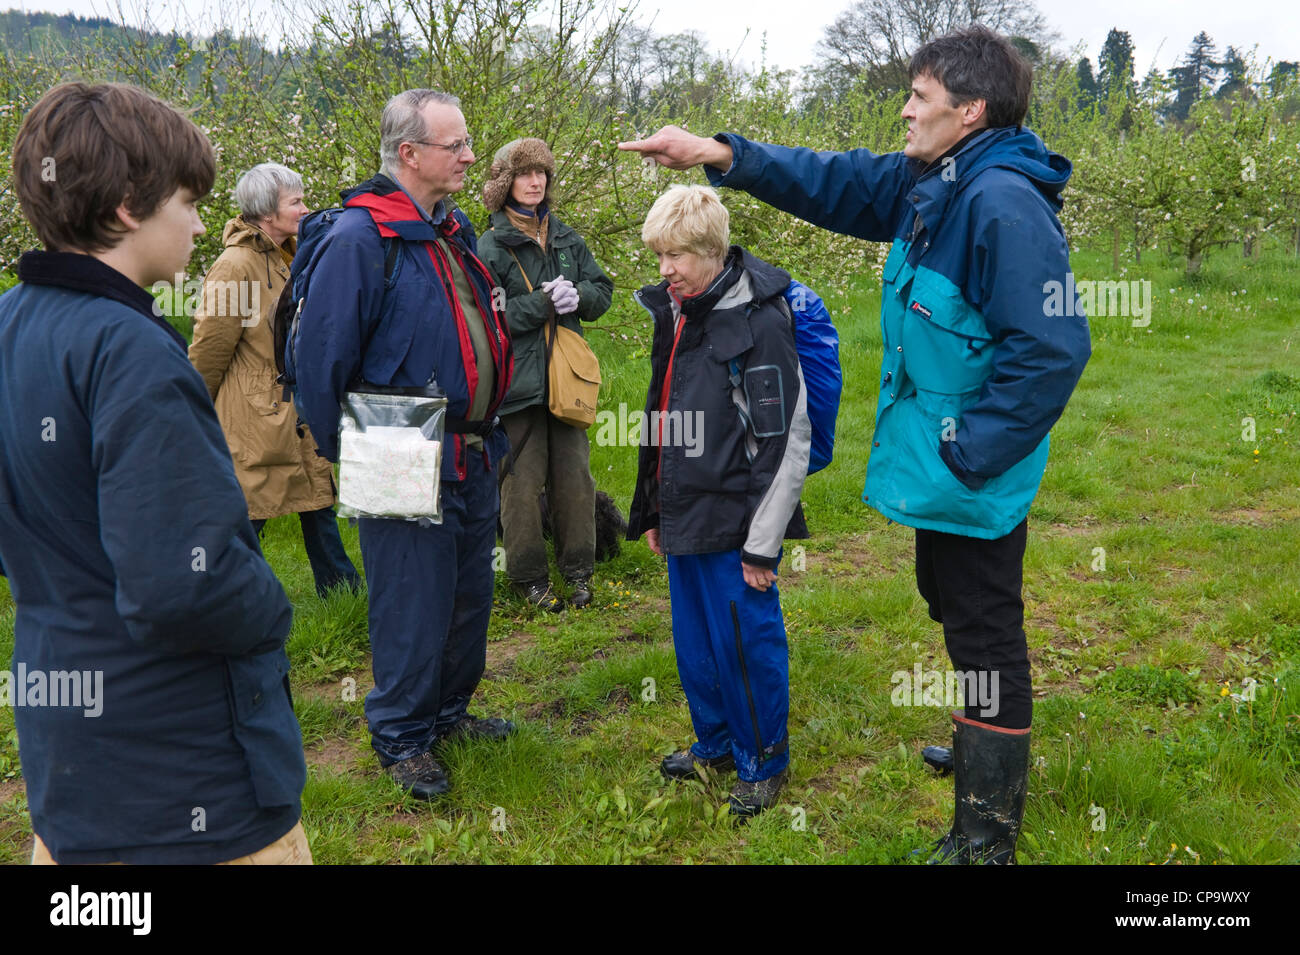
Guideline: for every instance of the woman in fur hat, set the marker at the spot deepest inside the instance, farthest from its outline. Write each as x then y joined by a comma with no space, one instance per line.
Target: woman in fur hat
547,272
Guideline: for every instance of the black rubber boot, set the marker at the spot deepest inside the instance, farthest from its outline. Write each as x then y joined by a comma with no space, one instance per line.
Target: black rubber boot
991,765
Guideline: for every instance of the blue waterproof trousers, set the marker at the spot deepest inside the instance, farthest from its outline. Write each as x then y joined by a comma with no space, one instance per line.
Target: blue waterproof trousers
430,600
733,662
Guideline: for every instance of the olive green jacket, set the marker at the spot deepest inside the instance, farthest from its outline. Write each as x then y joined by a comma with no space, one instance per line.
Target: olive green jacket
529,313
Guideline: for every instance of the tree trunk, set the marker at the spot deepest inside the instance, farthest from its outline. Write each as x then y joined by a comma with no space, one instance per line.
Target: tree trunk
1195,252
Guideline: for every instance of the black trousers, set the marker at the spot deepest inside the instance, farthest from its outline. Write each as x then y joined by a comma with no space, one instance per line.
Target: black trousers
973,587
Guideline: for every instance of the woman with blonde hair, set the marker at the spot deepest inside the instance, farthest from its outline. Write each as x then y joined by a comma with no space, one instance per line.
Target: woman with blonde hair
723,356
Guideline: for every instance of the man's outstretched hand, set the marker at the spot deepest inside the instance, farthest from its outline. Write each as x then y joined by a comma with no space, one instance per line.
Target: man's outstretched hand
675,148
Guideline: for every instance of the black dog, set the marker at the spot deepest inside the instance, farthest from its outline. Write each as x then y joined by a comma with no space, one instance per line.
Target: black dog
611,527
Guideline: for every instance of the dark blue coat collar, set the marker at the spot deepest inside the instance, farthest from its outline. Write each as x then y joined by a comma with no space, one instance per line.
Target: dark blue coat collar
85,273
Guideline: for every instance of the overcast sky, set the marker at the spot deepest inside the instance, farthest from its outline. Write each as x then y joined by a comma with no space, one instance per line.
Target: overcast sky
1161,29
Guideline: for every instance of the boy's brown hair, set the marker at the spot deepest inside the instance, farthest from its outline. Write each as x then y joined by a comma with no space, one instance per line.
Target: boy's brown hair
85,149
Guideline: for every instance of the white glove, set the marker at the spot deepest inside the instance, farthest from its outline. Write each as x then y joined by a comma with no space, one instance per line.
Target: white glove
564,296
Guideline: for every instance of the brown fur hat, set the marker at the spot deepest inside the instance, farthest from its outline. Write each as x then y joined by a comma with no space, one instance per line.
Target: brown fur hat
512,159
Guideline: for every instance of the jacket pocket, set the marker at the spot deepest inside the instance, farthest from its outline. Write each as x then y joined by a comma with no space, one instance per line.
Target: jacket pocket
946,346
262,432
530,370
894,262
265,727
922,486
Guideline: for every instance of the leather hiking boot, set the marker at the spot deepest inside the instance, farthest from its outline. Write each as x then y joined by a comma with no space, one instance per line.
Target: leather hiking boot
421,776
540,595
991,769
686,765
749,799
475,727
580,594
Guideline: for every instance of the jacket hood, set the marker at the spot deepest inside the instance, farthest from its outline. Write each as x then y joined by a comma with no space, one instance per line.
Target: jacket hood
240,232
378,184
394,213
767,280
1018,149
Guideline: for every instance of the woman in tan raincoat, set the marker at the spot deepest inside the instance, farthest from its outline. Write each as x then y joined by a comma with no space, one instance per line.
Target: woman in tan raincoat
233,349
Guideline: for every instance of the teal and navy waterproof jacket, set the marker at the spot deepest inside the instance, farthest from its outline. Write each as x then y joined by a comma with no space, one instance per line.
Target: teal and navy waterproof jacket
975,372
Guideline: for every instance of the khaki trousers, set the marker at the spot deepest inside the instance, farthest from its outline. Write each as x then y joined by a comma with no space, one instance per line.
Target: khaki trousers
555,459
289,849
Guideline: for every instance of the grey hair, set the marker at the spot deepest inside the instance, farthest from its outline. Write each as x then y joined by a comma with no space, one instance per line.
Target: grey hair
402,122
258,191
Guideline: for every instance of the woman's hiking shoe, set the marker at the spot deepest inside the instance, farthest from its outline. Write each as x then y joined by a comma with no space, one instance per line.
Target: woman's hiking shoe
938,758
686,765
477,727
541,596
751,798
580,594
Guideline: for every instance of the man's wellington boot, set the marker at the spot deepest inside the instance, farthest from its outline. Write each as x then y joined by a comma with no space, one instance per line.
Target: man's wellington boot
991,766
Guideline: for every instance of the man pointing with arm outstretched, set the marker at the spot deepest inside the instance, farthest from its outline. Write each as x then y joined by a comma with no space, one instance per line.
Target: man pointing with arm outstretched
976,368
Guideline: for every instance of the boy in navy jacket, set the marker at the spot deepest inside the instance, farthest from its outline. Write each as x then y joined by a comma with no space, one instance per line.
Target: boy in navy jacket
150,682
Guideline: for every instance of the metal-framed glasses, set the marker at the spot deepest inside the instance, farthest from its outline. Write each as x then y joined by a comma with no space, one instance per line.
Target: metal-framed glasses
456,148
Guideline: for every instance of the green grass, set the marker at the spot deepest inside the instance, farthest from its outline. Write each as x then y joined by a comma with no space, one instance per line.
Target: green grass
1142,720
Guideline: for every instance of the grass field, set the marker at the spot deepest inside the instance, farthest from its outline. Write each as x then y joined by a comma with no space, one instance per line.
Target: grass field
1162,574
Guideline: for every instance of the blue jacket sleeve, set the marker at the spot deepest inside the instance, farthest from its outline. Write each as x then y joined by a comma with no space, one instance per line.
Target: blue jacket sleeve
1038,358
173,522
344,294
857,193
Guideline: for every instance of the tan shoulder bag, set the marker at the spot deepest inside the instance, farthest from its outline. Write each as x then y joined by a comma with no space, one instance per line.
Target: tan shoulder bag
572,370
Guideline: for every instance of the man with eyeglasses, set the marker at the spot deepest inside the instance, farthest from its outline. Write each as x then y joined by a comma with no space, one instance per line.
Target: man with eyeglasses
395,295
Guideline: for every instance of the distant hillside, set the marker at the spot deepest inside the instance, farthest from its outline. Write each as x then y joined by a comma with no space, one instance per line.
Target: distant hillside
21,31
